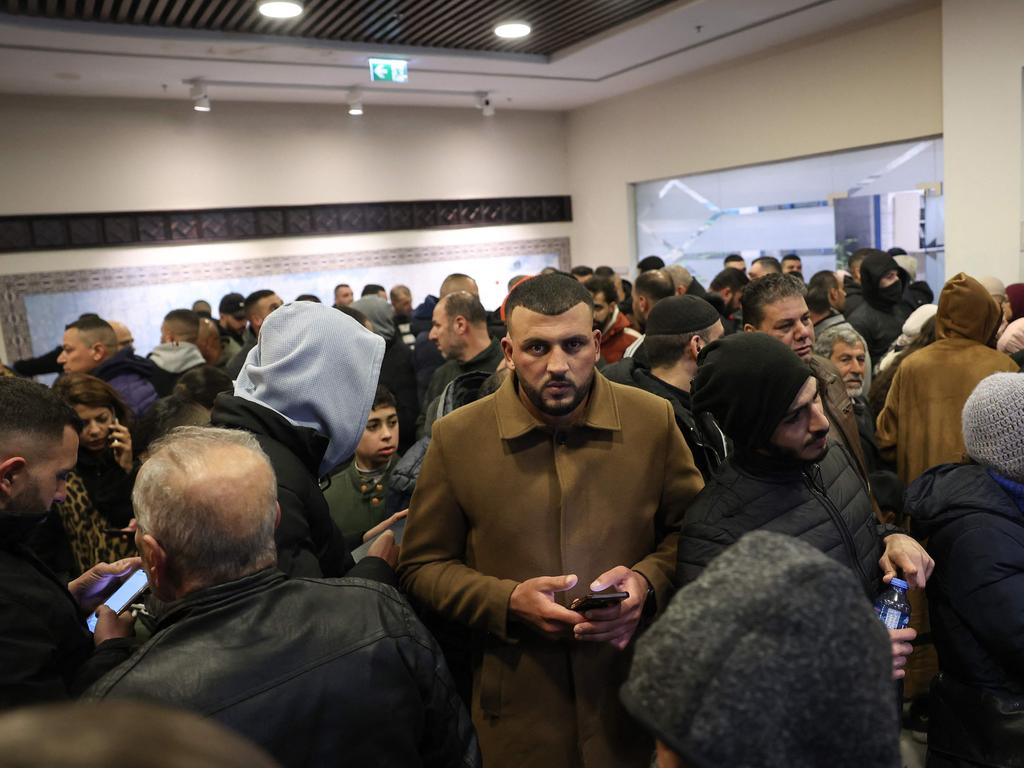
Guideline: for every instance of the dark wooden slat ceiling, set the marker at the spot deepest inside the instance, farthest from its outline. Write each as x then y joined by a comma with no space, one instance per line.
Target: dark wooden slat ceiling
452,24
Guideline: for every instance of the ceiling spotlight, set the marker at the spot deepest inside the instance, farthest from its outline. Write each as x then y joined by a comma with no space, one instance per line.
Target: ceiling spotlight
485,104
200,101
355,102
280,9
512,30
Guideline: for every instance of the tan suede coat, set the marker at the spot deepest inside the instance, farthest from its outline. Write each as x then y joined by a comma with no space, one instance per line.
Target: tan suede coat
500,499
919,426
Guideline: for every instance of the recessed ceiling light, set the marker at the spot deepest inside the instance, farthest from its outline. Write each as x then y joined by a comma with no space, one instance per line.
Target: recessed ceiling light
512,30
280,9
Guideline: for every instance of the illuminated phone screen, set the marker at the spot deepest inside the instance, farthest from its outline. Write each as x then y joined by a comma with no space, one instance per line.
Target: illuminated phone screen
121,598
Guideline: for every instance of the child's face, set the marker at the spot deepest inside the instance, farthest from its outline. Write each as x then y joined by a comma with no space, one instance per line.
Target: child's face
380,438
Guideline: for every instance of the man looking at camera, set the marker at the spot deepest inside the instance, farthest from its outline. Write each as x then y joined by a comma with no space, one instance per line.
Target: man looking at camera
536,495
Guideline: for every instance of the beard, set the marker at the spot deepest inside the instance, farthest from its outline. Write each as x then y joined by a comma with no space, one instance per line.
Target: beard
854,388
551,405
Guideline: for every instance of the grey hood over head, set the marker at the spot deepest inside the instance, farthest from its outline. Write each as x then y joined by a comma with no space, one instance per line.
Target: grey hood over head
318,368
381,314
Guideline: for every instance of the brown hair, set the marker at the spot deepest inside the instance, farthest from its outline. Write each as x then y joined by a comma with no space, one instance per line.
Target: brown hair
83,389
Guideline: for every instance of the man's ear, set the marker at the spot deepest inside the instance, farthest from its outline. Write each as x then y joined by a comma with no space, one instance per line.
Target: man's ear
461,325
10,469
277,515
154,560
747,328
693,347
597,342
506,348
97,351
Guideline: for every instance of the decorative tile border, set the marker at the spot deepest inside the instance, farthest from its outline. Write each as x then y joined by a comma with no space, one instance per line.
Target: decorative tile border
14,288
103,230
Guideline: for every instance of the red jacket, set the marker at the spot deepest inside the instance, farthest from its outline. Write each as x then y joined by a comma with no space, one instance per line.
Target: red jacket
617,338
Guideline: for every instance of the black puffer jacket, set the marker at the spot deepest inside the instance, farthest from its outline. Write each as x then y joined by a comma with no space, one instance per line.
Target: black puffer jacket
308,541
879,319
319,672
975,533
708,446
825,505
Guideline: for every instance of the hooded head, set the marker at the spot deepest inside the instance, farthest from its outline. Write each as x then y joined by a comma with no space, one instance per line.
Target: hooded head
748,381
380,313
873,271
771,658
967,311
318,368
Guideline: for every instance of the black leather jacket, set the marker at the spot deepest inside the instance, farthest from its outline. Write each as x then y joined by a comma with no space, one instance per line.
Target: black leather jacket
319,672
824,504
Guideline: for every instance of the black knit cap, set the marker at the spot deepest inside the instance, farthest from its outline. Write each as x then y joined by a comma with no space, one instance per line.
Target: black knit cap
747,381
678,315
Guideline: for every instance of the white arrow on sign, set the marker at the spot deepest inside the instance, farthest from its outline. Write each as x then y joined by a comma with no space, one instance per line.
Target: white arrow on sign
381,71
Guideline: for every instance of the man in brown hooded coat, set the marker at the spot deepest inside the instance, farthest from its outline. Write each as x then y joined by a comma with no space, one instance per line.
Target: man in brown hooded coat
919,426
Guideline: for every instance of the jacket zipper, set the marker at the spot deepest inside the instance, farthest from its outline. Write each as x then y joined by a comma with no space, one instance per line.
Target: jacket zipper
837,519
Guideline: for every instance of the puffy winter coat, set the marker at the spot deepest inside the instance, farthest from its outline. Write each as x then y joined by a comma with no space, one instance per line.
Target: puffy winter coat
824,504
975,530
131,376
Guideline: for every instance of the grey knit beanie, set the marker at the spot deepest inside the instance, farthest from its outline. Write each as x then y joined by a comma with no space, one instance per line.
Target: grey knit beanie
993,422
773,657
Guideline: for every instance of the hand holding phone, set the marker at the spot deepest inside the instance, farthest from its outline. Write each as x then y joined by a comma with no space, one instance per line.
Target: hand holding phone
124,596
596,600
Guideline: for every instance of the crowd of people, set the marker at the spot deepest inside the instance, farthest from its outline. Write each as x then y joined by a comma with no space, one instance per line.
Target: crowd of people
605,523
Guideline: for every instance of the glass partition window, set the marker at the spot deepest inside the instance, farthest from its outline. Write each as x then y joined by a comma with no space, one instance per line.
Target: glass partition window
821,208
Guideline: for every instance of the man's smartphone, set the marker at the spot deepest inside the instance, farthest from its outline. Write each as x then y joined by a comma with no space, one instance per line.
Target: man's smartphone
130,589
595,600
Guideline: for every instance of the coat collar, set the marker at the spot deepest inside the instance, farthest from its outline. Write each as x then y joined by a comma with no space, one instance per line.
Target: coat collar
602,411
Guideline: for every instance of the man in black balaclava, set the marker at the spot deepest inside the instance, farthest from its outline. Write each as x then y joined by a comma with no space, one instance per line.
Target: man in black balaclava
879,319
784,475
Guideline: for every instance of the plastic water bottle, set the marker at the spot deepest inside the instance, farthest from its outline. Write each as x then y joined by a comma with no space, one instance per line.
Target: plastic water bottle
893,607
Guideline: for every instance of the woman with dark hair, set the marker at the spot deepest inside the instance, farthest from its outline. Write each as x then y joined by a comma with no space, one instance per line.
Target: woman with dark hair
99,488
202,384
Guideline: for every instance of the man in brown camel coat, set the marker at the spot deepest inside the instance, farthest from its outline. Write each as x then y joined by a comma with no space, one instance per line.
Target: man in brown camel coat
559,484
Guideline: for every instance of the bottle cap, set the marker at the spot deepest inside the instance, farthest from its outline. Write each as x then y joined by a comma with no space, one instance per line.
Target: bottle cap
899,583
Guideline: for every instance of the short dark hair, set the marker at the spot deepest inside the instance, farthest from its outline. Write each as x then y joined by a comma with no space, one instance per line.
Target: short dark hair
732,258
655,285
604,272
791,257
372,289
467,305
770,263
354,313
95,329
549,295
817,299
730,278
31,412
604,286
202,385
184,323
582,271
383,398
256,296
308,297
662,351
649,263
341,285
166,414
767,290
826,279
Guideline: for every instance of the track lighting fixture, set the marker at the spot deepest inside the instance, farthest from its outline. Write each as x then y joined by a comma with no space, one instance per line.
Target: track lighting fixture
200,101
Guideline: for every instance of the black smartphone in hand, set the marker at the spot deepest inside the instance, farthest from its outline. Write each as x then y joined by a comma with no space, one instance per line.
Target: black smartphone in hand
596,600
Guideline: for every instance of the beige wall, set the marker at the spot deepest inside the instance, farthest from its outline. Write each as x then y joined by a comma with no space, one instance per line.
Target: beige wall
982,60
63,155
866,86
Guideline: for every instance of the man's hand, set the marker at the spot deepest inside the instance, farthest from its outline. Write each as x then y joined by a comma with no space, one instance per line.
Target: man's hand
384,525
533,603
99,582
110,625
385,548
901,650
615,625
901,551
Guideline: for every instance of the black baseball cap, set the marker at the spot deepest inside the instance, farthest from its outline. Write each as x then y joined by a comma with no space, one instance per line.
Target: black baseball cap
233,304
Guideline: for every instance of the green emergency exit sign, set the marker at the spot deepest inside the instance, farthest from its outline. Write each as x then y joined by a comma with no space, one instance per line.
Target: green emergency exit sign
389,70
